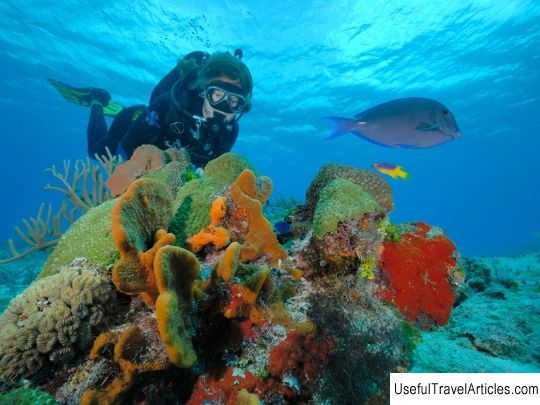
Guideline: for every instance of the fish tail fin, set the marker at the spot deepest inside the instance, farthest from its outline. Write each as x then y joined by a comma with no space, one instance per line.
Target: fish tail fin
404,175
342,125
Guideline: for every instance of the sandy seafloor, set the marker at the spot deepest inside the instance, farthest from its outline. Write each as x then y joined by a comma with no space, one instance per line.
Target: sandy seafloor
495,327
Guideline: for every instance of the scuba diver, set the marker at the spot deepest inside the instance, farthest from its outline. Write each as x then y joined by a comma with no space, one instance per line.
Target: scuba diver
197,106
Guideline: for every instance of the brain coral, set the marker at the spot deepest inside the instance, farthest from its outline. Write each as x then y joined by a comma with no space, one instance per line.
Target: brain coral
52,320
338,201
369,181
90,236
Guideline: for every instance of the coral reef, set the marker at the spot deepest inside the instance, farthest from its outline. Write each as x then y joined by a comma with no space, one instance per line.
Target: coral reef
211,308
53,321
370,339
340,200
213,233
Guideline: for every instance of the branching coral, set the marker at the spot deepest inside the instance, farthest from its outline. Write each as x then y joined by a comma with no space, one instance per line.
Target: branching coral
52,320
83,189
86,188
39,232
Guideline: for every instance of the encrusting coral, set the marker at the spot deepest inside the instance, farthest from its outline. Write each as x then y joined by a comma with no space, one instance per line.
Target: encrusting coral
53,320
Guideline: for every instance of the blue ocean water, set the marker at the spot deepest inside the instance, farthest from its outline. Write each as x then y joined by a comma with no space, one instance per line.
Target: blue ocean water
309,60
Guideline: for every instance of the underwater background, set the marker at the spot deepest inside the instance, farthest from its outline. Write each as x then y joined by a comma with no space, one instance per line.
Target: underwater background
305,317
309,60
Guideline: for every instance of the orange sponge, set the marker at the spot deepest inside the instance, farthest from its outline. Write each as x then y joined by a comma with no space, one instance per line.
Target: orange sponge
214,234
260,237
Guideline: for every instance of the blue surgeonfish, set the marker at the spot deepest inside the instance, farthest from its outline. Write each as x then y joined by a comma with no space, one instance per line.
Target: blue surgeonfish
413,122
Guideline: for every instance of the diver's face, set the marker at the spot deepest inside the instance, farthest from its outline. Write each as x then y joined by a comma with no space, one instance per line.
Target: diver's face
208,111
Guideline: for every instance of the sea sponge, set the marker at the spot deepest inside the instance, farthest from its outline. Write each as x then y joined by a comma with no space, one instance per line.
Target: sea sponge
130,353
194,200
139,220
341,200
53,320
90,236
228,263
258,237
213,233
144,159
176,270
418,269
373,183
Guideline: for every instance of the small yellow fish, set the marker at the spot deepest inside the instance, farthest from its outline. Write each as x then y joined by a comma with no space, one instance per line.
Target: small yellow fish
391,170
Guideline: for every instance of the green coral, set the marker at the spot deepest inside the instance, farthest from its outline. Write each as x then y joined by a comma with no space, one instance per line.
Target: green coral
90,236
172,175
341,200
27,396
373,183
194,199
53,320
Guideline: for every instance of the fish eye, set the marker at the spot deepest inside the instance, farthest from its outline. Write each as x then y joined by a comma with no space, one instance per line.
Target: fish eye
446,112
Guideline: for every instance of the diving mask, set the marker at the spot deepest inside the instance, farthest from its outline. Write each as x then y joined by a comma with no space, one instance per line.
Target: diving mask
225,97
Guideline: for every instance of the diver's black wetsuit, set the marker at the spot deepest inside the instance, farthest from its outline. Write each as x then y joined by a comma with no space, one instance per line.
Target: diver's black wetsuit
173,118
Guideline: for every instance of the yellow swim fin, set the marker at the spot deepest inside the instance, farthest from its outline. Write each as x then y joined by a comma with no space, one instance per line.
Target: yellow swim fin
85,95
